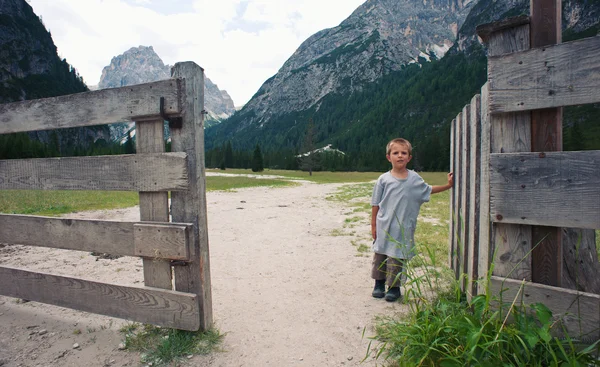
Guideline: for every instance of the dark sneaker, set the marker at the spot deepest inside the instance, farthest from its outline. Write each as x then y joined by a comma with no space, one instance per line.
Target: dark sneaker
392,294
379,290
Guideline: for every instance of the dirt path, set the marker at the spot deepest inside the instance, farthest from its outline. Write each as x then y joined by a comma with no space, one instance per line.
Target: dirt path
286,292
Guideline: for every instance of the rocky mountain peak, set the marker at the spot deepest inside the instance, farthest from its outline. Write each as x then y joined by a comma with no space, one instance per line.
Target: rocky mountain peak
379,37
142,65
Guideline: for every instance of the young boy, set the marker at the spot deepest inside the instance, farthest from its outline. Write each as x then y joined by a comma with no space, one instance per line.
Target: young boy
397,199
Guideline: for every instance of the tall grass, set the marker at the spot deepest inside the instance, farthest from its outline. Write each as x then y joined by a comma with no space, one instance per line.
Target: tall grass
444,329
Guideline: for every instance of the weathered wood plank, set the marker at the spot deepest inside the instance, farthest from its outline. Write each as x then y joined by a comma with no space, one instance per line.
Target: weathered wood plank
166,241
191,204
581,265
154,205
148,305
131,172
546,135
484,235
510,132
486,30
579,312
116,238
456,192
451,232
546,77
99,107
473,200
465,191
551,189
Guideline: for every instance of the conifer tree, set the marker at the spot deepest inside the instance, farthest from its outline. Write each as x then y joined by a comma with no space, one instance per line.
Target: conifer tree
257,160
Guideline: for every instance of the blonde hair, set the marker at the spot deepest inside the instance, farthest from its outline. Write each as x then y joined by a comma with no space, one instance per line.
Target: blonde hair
399,141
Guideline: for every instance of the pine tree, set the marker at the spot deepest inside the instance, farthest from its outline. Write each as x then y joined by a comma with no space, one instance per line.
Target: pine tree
228,155
257,160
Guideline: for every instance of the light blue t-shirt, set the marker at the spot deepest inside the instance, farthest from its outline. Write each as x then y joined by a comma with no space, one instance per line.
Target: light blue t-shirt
399,202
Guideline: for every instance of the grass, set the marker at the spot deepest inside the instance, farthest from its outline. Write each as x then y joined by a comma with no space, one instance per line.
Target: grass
161,346
52,203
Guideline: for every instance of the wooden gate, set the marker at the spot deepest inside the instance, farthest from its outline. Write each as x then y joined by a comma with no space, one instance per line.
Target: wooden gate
522,208
177,290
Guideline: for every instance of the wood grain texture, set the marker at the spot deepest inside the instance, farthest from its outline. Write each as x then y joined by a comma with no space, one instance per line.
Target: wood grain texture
116,238
456,192
579,312
166,241
154,206
99,107
510,132
131,172
465,178
473,200
581,265
484,235
451,232
191,204
485,30
551,189
546,77
147,305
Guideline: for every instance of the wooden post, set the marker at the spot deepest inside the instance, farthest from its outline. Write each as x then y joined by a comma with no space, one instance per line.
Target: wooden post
510,132
546,135
474,191
190,206
452,235
456,191
154,206
464,194
484,235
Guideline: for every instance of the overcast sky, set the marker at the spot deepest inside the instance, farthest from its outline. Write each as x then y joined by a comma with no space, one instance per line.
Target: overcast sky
239,43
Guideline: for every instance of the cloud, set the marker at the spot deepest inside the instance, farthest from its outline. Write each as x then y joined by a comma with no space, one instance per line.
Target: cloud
239,43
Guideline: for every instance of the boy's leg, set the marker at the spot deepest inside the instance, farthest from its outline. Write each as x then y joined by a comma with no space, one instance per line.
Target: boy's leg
378,272
394,278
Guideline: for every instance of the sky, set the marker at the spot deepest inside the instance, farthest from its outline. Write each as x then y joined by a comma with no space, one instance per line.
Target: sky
239,43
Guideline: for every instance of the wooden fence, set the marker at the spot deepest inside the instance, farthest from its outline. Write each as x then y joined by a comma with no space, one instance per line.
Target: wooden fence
516,190
177,291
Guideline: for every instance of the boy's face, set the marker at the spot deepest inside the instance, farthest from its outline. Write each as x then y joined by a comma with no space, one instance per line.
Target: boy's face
399,156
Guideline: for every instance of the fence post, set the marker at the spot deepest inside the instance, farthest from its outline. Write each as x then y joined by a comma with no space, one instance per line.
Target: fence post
509,132
154,206
190,206
474,192
484,235
464,194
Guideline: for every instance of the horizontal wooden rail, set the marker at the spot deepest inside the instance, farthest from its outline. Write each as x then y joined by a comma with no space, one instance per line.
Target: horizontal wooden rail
553,76
147,305
132,172
106,106
580,312
558,189
147,239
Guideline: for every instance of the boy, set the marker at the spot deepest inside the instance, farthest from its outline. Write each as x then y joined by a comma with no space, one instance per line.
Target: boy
397,199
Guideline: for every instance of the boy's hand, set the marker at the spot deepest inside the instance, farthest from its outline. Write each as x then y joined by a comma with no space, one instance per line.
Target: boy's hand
374,233
451,179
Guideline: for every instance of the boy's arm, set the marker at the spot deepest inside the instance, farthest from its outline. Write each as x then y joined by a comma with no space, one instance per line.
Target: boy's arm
436,189
374,211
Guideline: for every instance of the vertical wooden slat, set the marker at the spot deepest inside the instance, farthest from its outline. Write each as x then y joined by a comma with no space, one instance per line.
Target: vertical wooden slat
190,206
153,205
452,235
474,179
464,195
458,242
510,132
484,235
546,135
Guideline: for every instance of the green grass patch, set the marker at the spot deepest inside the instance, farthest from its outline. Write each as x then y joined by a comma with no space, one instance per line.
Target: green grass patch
317,177
50,203
162,346
228,183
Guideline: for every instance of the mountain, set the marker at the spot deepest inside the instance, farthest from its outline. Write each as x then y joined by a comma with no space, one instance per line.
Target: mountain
30,68
378,38
416,101
142,65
